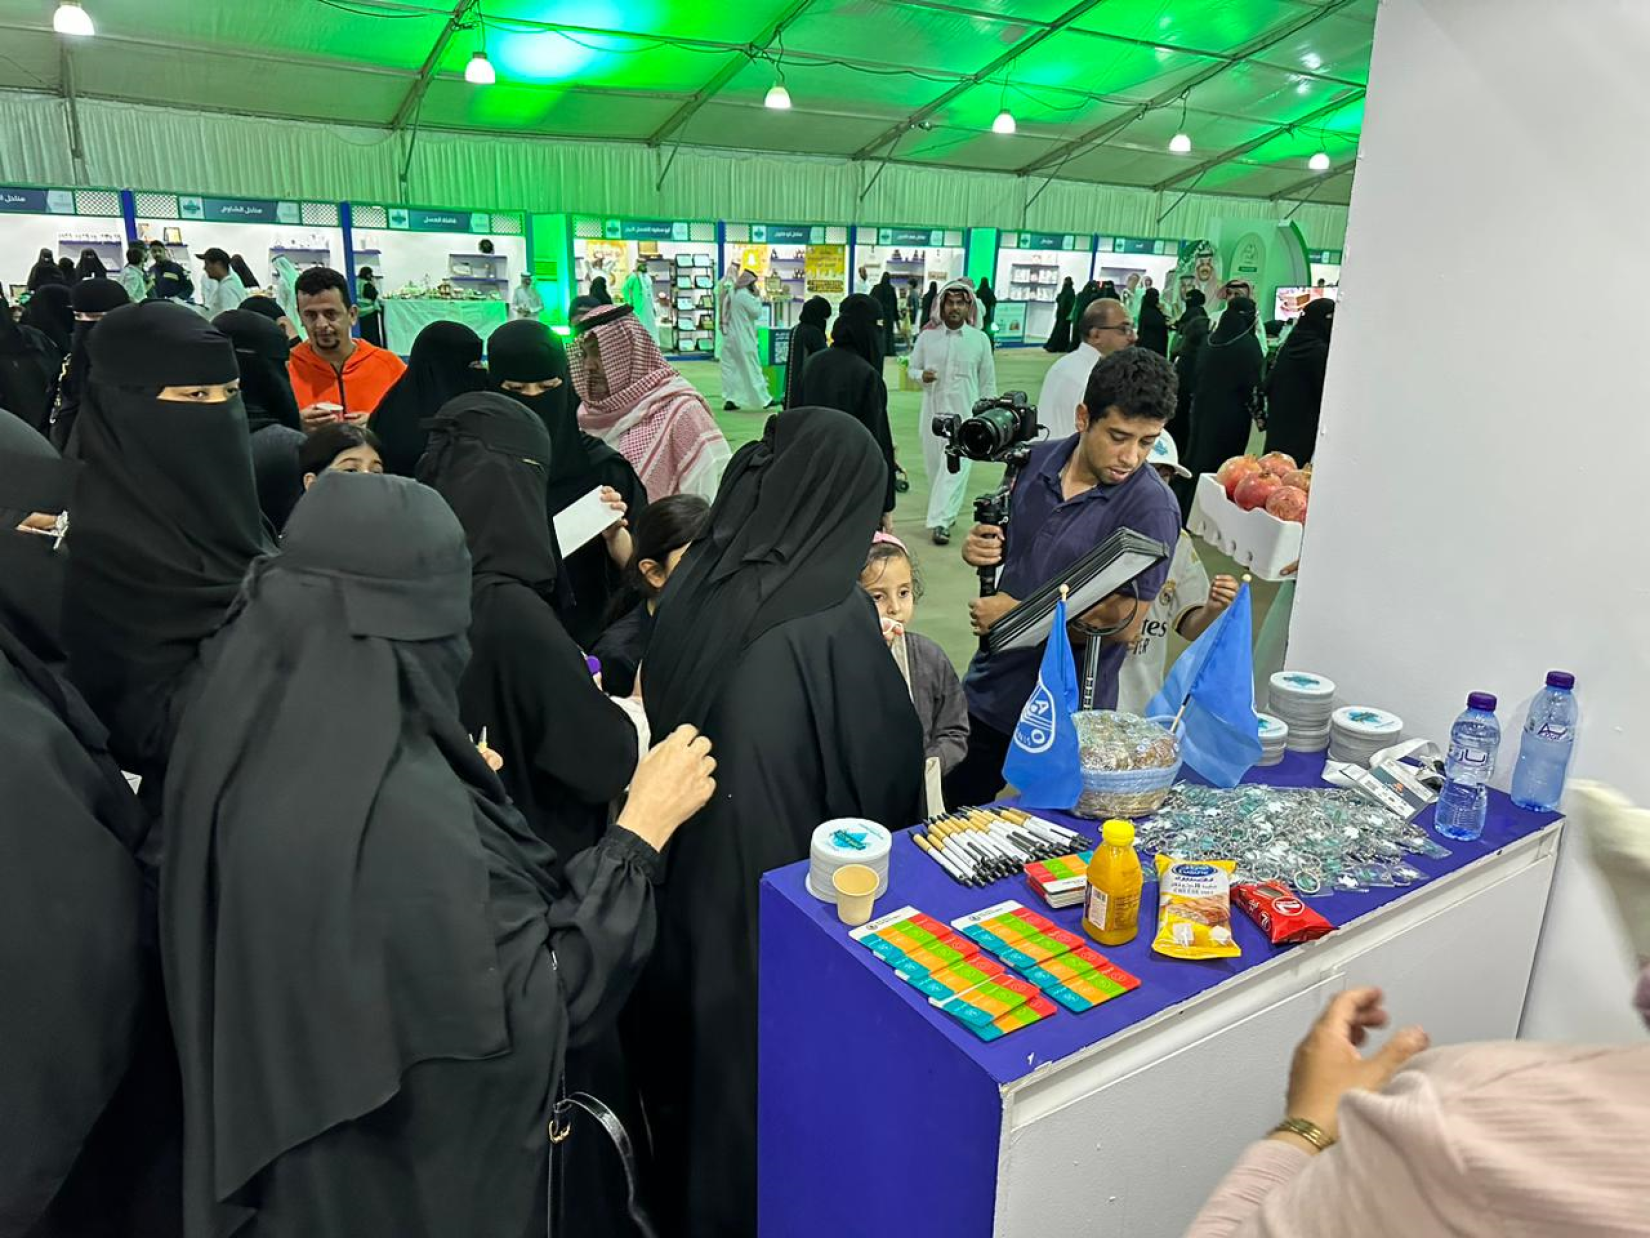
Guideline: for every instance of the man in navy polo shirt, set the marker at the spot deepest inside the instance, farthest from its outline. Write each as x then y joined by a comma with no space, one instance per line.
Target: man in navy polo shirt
1073,494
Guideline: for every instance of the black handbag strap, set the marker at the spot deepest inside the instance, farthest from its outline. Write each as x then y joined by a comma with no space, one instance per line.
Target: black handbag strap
563,1114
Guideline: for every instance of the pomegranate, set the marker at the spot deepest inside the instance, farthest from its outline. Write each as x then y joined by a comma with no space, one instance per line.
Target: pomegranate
1301,479
1234,471
1288,503
1253,491
1277,463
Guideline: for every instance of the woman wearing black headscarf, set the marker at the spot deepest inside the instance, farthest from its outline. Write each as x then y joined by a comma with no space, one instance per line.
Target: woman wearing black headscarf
91,299
886,299
44,271
1193,333
249,281
1228,374
807,338
398,1080
165,521
527,362
766,638
271,411
568,750
987,298
29,365
445,362
847,376
91,266
598,290
1153,330
1087,297
1294,388
50,311
928,302
83,1146
1059,339
71,273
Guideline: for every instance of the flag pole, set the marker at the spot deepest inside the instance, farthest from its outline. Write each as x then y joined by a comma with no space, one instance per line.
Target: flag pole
1173,726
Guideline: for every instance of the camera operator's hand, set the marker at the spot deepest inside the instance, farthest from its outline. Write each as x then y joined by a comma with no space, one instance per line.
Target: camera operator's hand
983,613
984,546
929,376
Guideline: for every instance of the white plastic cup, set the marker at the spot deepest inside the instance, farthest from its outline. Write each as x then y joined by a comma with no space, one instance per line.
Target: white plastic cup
856,892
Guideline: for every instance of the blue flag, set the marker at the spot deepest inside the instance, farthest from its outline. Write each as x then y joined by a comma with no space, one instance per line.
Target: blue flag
1215,678
1042,762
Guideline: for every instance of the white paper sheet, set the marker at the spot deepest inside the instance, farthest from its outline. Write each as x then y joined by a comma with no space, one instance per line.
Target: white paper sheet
582,520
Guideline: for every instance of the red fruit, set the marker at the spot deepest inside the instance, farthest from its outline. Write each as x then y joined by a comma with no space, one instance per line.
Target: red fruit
1277,463
1301,479
1235,470
1252,492
1288,503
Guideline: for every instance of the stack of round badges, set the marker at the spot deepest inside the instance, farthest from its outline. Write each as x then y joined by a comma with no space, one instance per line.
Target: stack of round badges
848,840
1360,731
1303,702
1274,739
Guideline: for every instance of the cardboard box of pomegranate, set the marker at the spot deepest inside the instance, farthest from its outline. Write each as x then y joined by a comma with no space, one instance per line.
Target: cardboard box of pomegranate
1257,539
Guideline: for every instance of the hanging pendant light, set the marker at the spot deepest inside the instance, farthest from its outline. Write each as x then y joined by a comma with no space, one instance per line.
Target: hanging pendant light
1319,162
480,72
70,18
778,97
1180,144
1004,122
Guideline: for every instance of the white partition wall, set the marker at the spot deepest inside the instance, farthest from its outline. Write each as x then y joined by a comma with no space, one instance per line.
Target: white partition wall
1479,514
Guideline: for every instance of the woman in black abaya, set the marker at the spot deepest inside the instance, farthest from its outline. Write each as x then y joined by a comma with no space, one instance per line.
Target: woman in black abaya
44,271
92,299
847,376
1085,298
50,311
568,750
1153,331
807,338
765,636
399,1080
271,410
527,362
1294,388
29,365
445,362
82,1009
1228,373
1059,339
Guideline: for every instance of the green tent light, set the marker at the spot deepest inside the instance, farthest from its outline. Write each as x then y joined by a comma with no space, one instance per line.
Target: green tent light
1004,122
778,98
1180,144
1319,162
479,72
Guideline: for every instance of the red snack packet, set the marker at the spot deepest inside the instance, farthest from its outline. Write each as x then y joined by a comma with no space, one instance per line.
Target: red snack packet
1280,912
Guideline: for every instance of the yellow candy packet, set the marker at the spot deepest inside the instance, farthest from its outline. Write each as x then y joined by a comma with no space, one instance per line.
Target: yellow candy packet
1194,909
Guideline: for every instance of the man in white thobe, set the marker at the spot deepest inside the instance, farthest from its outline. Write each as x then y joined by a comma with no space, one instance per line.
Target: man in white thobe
525,301
744,385
1105,328
952,357
221,290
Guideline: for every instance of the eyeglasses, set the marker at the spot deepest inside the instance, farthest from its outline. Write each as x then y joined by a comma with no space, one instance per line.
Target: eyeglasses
1127,328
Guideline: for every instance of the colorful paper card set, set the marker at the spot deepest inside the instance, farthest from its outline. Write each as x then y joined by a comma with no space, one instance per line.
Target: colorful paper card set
1062,881
950,967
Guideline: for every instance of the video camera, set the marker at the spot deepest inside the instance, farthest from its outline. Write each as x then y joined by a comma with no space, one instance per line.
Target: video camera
1000,430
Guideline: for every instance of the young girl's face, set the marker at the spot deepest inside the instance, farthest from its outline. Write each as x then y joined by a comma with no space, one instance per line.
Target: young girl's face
888,581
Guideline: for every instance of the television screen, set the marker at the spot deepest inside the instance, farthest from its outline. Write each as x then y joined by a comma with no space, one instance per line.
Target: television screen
1291,301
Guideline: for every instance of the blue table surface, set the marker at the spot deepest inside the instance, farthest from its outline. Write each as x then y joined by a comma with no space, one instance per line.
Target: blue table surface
917,881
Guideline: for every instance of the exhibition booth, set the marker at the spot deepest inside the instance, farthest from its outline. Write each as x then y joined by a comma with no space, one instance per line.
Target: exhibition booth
65,221
925,255
793,262
1030,271
259,230
438,263
1137,258
676,257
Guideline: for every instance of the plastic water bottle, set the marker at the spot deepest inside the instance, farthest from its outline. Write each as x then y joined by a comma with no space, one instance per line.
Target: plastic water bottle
1465,798
1544,752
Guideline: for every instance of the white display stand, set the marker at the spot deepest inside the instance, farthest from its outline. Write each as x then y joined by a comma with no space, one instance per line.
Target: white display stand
65,221
413,250
1032,267
926,255
681,259
260,230
1118,257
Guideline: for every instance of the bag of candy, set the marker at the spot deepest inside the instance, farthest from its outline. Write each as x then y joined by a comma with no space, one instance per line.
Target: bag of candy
1280,912
1194,909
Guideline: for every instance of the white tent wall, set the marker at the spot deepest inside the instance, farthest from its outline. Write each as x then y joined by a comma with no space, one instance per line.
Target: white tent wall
165,148
1478,515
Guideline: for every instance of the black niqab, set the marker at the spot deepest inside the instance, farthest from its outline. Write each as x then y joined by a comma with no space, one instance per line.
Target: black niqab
261,354
90,296
856,330
29,364
443,364
165,519
1294,387
50,311
32,479
1154,324
1237,321
598,291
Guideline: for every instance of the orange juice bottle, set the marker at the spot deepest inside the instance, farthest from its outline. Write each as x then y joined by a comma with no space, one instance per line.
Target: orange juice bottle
1111,906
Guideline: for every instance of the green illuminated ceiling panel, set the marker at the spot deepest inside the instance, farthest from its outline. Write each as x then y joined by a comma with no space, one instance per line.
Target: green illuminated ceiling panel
861,73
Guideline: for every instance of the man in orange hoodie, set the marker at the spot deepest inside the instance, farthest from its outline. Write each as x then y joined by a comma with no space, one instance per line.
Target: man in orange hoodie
335,376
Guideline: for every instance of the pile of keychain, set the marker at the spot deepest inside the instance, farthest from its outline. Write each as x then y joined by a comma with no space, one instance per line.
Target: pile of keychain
1320,842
